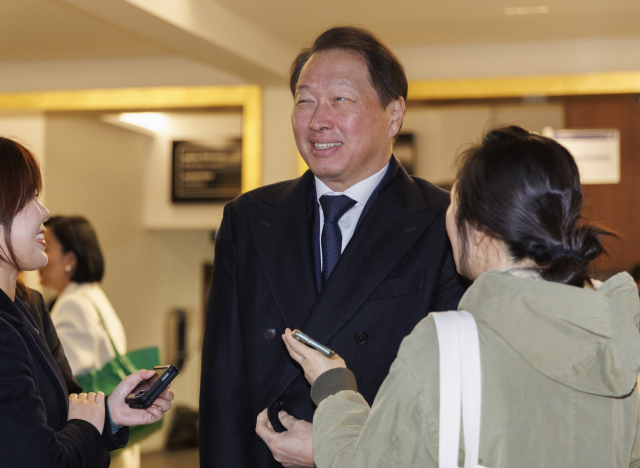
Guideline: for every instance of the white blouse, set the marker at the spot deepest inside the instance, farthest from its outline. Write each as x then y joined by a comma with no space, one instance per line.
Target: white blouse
81,333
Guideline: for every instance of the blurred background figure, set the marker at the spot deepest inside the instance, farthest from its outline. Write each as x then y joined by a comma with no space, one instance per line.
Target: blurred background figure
74,271
82,313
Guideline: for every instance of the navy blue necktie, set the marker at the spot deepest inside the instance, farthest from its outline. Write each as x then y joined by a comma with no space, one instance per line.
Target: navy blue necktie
333,207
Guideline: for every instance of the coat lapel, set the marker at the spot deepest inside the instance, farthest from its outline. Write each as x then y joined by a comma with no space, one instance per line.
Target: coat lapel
396,220
280,224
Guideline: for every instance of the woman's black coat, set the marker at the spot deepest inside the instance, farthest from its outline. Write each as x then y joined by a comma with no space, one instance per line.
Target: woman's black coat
38,310
34,406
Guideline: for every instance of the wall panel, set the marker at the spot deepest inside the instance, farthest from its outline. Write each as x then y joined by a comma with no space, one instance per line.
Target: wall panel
614,205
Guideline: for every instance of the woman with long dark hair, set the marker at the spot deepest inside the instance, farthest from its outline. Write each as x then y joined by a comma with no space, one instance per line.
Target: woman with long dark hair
41,425
559,352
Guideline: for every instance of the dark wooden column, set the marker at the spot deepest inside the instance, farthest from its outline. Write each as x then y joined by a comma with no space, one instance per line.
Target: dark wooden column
616,206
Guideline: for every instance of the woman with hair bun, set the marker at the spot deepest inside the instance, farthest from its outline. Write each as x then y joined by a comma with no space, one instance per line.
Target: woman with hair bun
559,352
41,425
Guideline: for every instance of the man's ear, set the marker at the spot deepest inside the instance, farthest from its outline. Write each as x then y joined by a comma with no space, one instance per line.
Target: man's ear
397,115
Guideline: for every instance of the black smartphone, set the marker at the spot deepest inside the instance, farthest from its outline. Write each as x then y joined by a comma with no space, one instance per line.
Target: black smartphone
298,335
148,390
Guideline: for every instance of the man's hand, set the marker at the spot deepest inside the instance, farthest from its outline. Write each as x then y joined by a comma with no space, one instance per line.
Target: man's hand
294,447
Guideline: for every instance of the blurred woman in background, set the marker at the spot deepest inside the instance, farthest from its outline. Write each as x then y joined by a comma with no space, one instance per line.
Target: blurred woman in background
82,314
74,271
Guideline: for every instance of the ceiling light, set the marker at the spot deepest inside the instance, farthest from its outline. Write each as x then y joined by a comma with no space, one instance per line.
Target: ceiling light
536,10
153,121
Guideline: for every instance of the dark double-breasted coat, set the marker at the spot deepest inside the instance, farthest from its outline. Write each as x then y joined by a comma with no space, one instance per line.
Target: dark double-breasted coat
34,406
397,267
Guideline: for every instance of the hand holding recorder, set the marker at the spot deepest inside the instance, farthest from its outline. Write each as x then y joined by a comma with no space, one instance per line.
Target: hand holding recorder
123,415
313,362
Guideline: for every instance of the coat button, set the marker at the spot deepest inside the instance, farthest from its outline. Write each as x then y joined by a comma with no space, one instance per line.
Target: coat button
361,337
270,334
277,406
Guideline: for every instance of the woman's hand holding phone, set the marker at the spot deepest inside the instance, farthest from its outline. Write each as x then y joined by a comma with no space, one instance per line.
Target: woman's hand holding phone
313,362
123,415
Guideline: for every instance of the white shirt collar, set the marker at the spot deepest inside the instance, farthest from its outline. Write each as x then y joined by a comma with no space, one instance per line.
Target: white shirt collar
359,192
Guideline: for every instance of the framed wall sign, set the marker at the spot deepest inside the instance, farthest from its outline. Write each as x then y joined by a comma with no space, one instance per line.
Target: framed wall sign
596,152
202,173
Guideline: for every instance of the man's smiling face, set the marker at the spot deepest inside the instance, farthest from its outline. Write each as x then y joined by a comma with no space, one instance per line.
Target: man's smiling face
341,130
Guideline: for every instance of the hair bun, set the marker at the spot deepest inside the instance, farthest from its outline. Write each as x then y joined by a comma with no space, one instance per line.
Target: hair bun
539,252
569,265
559,250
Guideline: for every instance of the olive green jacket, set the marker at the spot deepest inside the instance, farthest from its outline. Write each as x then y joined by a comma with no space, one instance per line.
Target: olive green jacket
559,369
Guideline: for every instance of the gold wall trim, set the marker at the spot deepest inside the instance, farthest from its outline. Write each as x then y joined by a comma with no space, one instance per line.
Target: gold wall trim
562,85
252,139
141,99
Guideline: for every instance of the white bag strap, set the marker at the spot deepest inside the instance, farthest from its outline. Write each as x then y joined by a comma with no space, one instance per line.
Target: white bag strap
450,389
471,386
460,384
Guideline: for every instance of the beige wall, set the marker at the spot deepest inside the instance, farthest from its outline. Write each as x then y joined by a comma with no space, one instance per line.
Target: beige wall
442,132
279,147
215,129
29,130
96,170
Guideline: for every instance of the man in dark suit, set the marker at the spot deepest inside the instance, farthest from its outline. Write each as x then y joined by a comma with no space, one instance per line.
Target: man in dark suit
354,253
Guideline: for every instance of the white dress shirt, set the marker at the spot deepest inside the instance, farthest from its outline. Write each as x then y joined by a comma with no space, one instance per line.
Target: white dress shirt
359,192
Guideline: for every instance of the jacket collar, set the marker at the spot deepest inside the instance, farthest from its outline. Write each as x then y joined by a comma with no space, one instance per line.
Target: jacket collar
280,224
34,339
10,311
398,215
